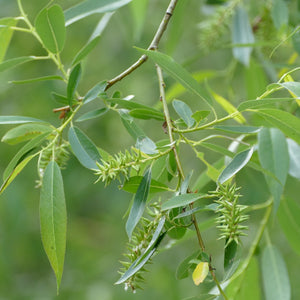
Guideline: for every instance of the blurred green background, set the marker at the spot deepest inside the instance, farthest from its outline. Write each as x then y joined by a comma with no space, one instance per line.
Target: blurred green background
96,235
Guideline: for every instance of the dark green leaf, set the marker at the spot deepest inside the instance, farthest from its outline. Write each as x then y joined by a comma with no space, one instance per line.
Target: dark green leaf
18,120
146,114
274,157
274,274
133,183
62,99
238,129
182,200
237,163
83,148
95,91
11,63
184,112
25,132
230,255
242,34
294,153
6,35
139,203
73,82
185,266
92,114
50,26
142,260
89,7
178,73
289,220
22,152
286,122
53,218
210,207
45,78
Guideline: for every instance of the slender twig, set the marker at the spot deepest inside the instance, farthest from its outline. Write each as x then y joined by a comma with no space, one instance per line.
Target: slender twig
153,46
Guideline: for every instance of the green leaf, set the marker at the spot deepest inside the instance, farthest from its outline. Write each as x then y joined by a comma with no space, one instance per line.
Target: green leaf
184,112
25,132
261,103
50,26
83,148
286,122
146,145
294,153
200,115
139,12
16,171
185,266
289,220
209,207
22,153
73,82
53,218
238,129
280,13
178,73
275,276
237,163
182,200
133,183
142,260
45,78
11,63
139,203
274,157
6,35
89,7
242,34
146,114
92,114
134,130
95,91
18,120
230,255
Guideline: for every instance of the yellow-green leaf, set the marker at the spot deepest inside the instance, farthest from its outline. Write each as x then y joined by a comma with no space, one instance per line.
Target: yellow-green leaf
200,272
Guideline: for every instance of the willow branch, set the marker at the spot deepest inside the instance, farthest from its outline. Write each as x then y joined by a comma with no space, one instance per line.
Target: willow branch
153,46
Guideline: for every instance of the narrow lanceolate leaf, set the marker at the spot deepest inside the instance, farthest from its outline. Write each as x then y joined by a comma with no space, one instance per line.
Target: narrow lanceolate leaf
230,255
11,63
146,114
38,79
142,260
133,129
289,220
83,148
184,112
139,203
93,41
182,200
92,114
242,34
294,153
286,122
274,157
200,272
237,163
73,82
35,142
53,218
18,120
261,103
238,129
50,26
16,171
6,34
133,183
93,93
25,132
275,276
178,73
185,266
89,7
